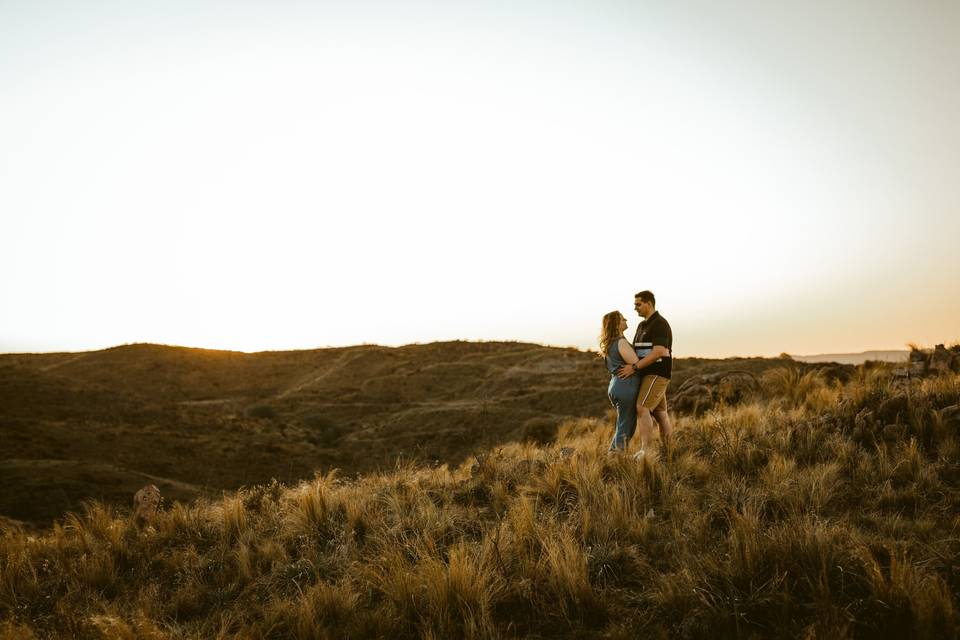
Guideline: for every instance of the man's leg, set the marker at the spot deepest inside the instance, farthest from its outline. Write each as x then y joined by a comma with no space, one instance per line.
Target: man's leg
662,417
652,393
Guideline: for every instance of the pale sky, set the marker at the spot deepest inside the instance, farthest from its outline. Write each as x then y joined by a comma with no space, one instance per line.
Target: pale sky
282,175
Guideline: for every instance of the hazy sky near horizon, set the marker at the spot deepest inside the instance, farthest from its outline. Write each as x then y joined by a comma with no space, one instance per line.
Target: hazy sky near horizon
253,175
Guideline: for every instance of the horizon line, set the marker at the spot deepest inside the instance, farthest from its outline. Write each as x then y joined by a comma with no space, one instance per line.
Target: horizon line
907,348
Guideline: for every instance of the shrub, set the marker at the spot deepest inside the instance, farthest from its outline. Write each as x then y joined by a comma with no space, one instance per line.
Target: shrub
540,430
263,411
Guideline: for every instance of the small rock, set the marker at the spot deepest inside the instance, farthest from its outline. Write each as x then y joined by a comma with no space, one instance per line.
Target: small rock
145,502
566,453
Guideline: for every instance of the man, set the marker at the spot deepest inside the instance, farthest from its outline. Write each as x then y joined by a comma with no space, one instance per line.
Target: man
654,345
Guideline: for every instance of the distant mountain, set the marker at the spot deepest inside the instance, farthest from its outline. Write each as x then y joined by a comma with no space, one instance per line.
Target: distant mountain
857,358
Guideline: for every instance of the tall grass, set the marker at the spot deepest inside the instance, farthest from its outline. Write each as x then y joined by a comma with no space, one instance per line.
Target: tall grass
813,511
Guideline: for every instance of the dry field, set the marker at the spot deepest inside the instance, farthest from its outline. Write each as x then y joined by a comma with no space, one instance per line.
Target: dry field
810,509
195,422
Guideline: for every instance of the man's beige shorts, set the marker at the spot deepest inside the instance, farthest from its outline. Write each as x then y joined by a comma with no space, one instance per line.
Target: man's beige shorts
653,393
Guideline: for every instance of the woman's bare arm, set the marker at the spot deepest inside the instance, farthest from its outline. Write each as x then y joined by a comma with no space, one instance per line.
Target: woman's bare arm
626,351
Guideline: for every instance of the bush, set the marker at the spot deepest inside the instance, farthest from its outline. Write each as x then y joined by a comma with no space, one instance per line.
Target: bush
324,431
263,411
320,422
540,430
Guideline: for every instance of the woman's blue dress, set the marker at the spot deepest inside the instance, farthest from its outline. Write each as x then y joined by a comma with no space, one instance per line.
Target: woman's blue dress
623,396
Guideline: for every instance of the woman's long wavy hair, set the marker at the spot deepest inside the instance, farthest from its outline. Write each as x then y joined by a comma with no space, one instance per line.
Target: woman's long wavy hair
610,331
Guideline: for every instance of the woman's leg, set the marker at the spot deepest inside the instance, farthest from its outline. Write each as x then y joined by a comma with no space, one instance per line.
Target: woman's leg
620,434
626,420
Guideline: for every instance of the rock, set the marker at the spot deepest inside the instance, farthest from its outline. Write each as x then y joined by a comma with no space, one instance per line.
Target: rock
566,453
145,502
940,361
701,393
694,400
736,386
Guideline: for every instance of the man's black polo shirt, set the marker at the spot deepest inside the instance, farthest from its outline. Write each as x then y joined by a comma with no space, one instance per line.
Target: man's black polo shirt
654,331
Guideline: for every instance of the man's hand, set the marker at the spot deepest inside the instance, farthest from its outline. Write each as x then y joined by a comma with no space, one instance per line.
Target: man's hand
660,352
625,371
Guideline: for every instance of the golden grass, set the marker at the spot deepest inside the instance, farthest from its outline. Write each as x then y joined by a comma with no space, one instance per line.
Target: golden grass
802,514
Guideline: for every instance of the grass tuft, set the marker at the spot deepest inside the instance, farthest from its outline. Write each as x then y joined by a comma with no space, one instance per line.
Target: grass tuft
814,510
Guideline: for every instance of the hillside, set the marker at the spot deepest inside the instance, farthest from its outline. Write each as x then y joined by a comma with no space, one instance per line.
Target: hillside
899,355
195,422
812,509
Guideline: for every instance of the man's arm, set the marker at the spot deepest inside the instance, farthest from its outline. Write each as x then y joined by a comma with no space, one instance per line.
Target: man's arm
628,369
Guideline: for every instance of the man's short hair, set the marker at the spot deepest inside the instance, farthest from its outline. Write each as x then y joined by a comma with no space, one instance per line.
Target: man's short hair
646,296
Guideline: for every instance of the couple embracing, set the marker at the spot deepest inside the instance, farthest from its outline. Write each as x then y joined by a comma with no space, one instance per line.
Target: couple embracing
639,374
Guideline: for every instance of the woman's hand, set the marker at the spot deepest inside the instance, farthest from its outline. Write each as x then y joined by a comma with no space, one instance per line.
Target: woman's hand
628,369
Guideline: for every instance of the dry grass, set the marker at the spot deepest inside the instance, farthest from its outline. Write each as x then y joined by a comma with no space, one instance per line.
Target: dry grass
817,511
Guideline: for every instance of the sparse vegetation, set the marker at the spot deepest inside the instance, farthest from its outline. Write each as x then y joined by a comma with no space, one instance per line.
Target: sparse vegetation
75,427
810,509
263,411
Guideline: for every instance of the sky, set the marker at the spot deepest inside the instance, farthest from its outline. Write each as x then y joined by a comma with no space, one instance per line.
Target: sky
289,175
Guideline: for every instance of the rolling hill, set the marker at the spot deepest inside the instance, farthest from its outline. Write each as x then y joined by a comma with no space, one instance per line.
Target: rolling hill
97,425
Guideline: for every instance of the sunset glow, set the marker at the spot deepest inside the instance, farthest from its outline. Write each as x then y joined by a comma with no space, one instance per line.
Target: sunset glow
261,176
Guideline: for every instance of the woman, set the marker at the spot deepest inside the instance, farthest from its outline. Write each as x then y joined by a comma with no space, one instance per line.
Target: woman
617,351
